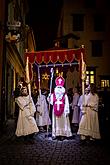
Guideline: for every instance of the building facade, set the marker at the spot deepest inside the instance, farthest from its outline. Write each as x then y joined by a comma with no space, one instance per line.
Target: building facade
2,52
89,20
17,37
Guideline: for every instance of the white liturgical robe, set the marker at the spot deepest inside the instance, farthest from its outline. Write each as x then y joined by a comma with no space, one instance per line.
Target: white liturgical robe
61,124
26,123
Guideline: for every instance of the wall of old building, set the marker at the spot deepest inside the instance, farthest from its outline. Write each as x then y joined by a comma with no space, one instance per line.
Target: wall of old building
88,34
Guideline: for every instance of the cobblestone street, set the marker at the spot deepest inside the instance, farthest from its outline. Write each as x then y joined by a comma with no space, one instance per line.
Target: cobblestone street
45,151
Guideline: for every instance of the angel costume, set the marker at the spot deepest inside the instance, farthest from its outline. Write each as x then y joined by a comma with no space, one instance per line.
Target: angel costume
26,123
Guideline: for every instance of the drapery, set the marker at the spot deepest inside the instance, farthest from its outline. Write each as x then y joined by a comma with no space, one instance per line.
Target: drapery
54,56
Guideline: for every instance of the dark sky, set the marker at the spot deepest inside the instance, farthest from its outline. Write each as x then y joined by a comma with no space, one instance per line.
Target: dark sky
43,17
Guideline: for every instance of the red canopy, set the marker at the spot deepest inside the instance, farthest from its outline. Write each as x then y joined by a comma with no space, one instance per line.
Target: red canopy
54,56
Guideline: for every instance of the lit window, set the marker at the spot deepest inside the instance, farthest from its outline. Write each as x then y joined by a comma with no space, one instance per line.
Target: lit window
108,83
90,77
105,83
91,72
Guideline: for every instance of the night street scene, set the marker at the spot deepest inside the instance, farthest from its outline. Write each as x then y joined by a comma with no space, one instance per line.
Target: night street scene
54,82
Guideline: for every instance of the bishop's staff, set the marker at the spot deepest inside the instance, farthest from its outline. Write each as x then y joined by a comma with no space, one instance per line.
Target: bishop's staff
39,81
51,79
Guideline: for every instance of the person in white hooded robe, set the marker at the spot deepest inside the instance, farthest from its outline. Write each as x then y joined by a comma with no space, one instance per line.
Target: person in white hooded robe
89,124
42,117
82,101
60,113
26,124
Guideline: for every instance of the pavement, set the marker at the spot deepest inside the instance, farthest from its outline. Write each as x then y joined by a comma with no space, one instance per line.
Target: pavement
43,150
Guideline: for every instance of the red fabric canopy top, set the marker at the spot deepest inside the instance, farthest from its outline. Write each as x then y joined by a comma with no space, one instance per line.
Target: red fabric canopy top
54,56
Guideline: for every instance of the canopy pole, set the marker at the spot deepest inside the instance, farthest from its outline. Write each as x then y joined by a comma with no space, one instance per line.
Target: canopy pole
28,80
83,72
83,76
27,75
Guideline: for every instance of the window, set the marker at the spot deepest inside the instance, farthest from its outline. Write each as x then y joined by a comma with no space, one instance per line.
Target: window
78,22
105,83
97,50
99,23
90,3
90,76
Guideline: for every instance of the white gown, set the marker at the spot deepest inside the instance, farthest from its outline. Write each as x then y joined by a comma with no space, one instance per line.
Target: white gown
42,107
26,123
75,108
61,125
89,124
